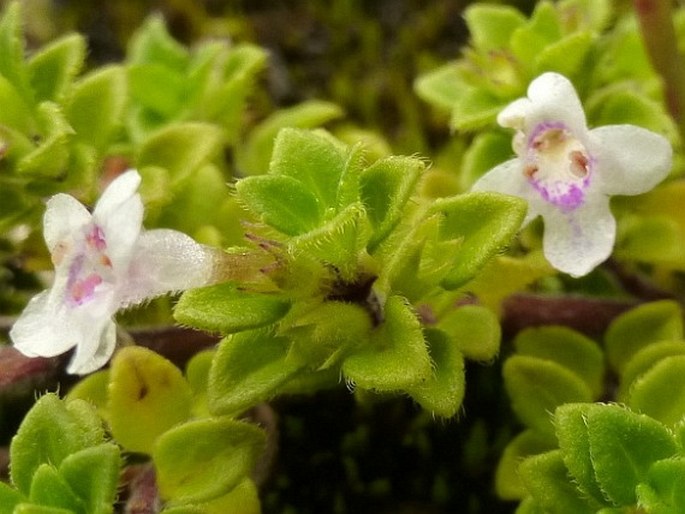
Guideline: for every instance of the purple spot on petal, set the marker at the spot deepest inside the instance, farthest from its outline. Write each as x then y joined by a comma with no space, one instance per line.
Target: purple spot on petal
567,197
82,290
96,238
89,267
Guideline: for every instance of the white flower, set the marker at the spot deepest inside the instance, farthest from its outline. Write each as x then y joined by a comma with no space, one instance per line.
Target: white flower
567,172
104,261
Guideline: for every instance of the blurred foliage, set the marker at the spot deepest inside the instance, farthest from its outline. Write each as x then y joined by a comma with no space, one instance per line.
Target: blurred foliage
373,267
618,455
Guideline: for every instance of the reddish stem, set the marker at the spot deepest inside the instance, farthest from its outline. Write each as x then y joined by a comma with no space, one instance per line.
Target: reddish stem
661,42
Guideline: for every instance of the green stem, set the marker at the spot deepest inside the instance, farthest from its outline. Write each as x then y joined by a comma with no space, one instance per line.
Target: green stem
658,33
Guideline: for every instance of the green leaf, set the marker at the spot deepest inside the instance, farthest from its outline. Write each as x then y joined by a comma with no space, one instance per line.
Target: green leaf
148,388
529,506
508,483
644,360
620,105
93,388
475,330
660,392
542,30
568,348
663,492
93,474
537,387
253,158
386,186
441,87
624,57
204,459
505,275
95,106
53,67
323,335
565,56
51,157
27,508
586,14
652,239
442,394
476,108
226,104
637,328
415,260
487,150
623,446
196,207
491,26
483,223
248,368
12,66
349,184
49,488
547,480
243,499
282,202
9,498
153,44
311,158
143,82
336,243
61,427
572,432
227,309
15,113
181,148
396,357
197,375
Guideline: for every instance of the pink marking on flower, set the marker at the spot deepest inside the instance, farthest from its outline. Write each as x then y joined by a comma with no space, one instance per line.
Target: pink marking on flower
89,267
83,289
96,239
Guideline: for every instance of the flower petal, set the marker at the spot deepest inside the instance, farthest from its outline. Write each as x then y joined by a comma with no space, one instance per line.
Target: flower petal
630,160
514,115
553,98
42,330
64,217
119,213
166,261
576,242
94,353
119,191
507,178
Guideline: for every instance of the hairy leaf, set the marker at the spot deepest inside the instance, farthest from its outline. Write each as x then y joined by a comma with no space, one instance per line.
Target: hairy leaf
204,459
225,308
637,328
397,357
443,393
248,368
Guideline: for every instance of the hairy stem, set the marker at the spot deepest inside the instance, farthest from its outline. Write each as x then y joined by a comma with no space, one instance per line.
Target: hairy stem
658,34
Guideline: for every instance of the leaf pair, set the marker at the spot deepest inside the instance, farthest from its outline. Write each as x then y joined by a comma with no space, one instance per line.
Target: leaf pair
61,461
608,456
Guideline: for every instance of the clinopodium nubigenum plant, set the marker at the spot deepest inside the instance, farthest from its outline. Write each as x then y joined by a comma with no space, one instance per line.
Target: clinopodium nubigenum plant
362,283
322,262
